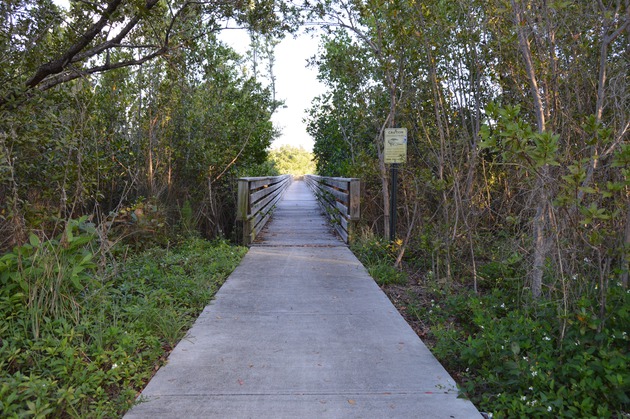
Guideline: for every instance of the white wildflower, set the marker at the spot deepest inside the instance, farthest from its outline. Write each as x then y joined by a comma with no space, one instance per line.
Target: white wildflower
114,365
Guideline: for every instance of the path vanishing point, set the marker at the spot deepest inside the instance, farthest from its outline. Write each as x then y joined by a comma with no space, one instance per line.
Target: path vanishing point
300,330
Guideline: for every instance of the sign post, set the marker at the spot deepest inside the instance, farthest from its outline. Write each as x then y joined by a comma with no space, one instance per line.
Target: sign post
395,152
392,205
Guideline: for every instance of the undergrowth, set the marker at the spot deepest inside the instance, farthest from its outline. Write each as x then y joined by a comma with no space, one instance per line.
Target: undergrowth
79,341
512,356
527,361
378,257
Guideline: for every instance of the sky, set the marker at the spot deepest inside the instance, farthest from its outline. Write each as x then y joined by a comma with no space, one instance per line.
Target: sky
296,84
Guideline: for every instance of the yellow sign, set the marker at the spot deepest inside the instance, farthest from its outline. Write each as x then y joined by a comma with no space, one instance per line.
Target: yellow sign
395,145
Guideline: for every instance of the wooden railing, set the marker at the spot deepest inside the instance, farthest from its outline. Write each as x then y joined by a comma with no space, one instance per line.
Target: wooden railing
339,197
257,197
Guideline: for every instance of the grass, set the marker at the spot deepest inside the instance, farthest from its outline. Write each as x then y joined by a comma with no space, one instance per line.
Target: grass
95,338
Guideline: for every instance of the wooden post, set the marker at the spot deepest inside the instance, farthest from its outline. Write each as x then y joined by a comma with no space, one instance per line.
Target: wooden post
243,208
354,191
354,207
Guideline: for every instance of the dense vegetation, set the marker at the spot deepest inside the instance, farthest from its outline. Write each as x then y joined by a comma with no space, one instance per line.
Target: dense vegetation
124,126
513,357
292,160
80,338
144,109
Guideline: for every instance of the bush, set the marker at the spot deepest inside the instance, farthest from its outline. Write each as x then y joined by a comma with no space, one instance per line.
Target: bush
378,257
525,362
76,343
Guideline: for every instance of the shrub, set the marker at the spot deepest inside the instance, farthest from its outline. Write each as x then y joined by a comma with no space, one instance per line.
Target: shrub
98,339
378,257
526,362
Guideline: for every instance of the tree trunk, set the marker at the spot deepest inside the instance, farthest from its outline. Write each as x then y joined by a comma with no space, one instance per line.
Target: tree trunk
607,39
539,225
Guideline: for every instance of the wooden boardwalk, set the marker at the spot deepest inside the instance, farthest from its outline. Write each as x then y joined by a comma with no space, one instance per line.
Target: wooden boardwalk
300,330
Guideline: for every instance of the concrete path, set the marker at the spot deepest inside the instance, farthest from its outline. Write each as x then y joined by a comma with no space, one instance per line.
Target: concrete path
300,330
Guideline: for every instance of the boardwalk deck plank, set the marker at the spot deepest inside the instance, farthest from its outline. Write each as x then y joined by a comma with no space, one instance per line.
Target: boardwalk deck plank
300,330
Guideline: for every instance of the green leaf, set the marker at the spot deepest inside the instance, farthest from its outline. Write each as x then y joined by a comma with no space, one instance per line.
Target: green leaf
76,281
33,240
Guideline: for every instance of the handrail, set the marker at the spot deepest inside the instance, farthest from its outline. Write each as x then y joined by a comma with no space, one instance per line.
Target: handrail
257,197
340,199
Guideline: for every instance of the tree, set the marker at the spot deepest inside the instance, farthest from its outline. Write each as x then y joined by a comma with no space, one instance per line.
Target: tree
129,104
531,78
291,160
89,39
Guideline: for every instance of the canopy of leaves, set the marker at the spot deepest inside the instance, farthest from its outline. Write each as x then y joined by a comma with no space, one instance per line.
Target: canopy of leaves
291,160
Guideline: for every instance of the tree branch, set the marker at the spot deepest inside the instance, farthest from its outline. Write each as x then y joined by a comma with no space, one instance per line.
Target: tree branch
58,65
66,77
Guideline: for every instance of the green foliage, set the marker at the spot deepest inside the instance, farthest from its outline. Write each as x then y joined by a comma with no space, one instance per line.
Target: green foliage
520,361
516,140
143,224
341,121
479,173
90,358
47,277
187,221
292,160
180,128
378,257
267,168
505,275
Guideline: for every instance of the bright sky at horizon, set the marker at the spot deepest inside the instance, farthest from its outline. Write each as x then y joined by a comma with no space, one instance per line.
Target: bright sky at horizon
297,85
